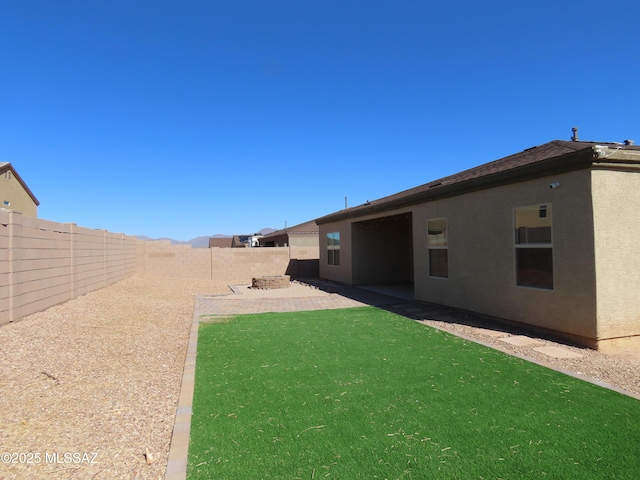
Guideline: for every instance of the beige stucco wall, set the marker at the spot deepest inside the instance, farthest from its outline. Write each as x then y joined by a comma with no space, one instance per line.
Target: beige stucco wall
616,202
340,273
482,270
304,246
13,192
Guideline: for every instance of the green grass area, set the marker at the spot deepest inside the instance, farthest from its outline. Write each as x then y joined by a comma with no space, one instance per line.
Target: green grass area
362,394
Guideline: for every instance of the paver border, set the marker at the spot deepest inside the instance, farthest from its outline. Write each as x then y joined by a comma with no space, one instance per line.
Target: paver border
179,449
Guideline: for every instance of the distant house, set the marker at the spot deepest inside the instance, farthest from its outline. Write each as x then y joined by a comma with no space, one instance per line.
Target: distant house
249,240
220,242
547,237
14,192
255,239
304,234
236,241
302,241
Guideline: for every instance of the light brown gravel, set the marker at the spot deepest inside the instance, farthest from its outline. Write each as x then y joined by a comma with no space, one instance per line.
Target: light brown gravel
98,374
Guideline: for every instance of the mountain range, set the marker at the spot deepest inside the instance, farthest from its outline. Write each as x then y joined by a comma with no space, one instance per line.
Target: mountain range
202,241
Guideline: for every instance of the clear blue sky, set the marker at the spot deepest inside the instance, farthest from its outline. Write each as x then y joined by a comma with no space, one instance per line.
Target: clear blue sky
187,118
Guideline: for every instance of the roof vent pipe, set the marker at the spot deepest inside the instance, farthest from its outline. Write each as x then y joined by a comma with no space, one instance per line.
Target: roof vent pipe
574,137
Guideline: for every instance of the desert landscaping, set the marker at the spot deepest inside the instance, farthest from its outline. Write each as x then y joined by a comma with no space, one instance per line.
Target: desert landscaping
92,385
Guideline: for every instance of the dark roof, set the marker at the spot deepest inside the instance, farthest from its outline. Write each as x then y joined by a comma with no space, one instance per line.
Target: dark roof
4,166
556,155
236,242
307,227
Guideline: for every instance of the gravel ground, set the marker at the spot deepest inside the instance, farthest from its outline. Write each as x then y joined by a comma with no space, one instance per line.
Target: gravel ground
100,375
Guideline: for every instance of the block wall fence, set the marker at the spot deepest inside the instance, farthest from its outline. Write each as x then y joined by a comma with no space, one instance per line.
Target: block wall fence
232,265
44,263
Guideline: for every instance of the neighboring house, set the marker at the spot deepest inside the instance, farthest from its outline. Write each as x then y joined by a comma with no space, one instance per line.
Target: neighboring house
249,240
304,234
255,240
220,242
14,193
240,241
302,240
237,241
547,237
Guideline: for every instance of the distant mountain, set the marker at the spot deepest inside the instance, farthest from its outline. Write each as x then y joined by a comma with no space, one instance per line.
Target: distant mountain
175,242
203,241
199,242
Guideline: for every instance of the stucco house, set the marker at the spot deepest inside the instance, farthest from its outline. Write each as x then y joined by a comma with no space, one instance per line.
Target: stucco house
303,234
236,241
220,242
303,244
14,192
547,238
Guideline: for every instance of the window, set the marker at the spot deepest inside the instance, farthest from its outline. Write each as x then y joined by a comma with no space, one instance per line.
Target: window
437,245
7,175
6,203
333,248
534,248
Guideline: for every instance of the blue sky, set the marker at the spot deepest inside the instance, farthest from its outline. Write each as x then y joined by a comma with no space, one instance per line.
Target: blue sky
180,119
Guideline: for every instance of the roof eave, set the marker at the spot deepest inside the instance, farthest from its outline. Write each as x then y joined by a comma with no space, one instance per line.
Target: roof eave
8,166
563,163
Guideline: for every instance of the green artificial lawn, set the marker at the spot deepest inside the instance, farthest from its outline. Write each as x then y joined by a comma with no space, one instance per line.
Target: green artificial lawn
362,394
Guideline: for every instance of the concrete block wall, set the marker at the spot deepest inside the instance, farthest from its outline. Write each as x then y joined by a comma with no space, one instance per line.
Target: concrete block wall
39,265
43,263
230,265
161,257
6,289
240,265
5,276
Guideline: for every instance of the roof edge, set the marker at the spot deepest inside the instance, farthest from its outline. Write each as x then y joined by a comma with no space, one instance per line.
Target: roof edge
7,166
579,159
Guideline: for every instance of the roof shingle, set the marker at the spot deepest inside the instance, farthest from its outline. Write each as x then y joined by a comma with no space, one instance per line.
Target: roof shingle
525,162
